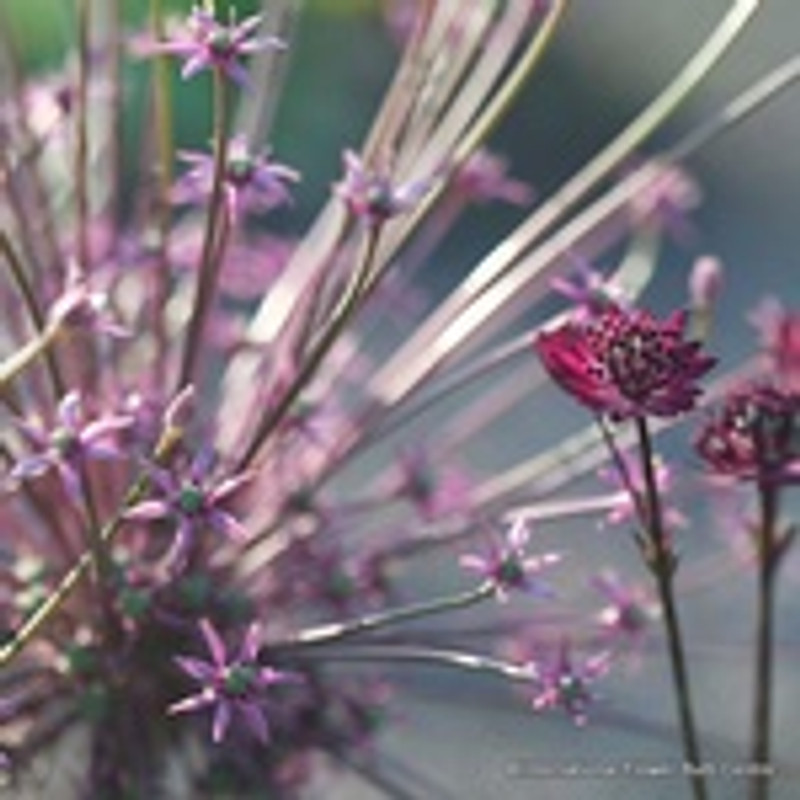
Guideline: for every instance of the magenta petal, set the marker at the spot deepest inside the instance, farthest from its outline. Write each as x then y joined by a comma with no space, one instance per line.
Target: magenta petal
214,642
195,702
31,467
70,411
201,671
148,510
222,721
256,721
228,487
228,525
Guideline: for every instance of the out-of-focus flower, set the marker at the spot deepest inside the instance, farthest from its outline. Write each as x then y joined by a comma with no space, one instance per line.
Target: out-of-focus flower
563,683
204,43
629,612
508,567
590,291
666,203
373,196
754,435
779,331
231,686
434,492
625,512
483,178
68,446
252,183
626,363
80,308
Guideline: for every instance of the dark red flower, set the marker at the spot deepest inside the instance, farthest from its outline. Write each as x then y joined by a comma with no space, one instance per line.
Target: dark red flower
625,363
754,435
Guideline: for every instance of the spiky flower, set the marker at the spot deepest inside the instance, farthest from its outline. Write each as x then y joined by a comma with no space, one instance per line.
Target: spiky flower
626,363
231,685
205,43
70,444
754,435
563,682
508,567
252,183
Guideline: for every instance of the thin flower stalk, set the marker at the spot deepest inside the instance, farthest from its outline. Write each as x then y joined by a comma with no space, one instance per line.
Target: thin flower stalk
340,631
491,270
214,237
661,560
768,557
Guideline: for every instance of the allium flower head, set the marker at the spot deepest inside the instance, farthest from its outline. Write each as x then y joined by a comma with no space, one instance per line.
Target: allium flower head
626,363
754,435
252,183
206,43
231,685
508,567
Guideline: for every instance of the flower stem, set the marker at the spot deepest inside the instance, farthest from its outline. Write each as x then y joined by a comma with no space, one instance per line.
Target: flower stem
662,563
337,322
163,124
762,708
82,133
164,449
20,360
213,239
338,631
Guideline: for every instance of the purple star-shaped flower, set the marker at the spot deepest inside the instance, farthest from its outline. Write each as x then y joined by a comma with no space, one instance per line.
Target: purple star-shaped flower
194,501
251,182
508,567
563,683
231,685
373,196
205,43
69,444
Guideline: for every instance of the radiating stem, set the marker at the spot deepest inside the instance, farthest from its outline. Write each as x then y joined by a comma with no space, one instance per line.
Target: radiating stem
338,631
337,322
163,451
661,561
82,133
22,358
762,708
212,250
163,123
422,654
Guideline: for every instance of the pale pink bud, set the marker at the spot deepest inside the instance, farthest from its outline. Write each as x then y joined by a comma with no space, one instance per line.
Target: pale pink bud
705,282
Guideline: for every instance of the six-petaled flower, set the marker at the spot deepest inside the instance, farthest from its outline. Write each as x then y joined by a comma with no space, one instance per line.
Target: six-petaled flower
251,183
373,196
626,363
564,683
70,444
206,43
508,567
193,501
231,685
